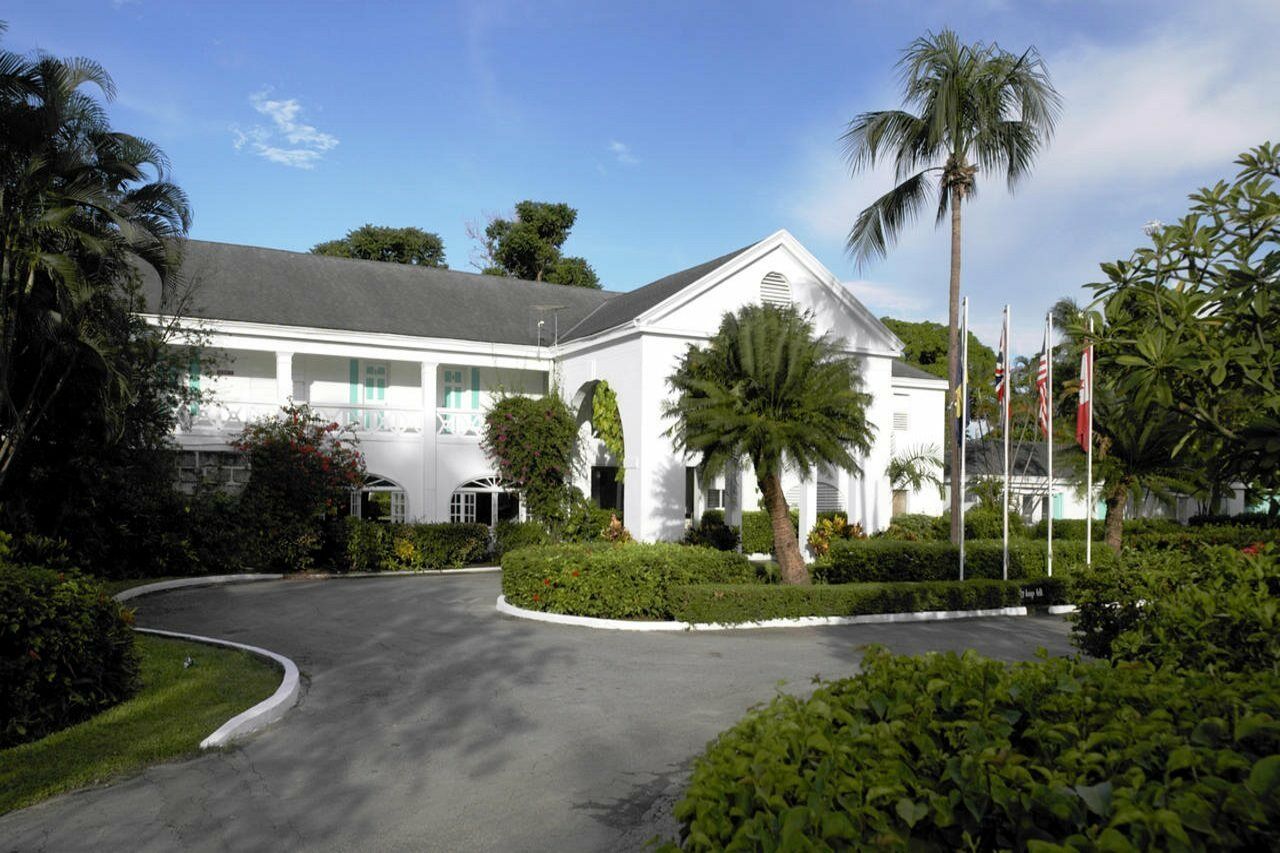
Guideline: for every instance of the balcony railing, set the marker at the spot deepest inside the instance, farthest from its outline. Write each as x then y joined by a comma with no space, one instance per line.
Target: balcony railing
459,422
222,416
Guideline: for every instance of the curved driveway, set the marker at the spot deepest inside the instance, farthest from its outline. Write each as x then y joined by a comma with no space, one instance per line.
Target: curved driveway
431,723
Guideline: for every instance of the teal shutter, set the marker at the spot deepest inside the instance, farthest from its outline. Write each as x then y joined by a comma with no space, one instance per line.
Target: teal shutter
1057,505
453,389
475,389
353,382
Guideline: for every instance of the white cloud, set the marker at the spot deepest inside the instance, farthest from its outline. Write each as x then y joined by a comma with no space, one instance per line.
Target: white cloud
287,140
882,298
622,153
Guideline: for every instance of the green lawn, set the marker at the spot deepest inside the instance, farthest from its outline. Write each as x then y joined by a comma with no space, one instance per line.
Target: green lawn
175,710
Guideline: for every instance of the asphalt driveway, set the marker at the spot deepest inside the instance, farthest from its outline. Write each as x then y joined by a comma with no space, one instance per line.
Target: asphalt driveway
431,723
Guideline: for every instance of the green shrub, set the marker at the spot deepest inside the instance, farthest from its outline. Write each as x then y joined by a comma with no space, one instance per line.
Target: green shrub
373,546
879,560
510,535
985,523
66,651
1214,611
731,603
1244,519
915,527
584,521
1074,528
631,581
943,752
757,531
712,532
1190,540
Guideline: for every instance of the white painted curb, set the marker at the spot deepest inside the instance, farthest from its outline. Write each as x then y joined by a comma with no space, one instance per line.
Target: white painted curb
1059,609
182,583
800,622
259,716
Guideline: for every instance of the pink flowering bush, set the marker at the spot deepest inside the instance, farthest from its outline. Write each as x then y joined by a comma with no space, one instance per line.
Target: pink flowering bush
302,468
532,443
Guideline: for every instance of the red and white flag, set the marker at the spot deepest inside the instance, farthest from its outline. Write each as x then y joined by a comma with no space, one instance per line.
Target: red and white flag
1084,409
1042,386
1002,372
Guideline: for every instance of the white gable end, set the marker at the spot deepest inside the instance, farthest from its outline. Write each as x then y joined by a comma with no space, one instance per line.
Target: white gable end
777,271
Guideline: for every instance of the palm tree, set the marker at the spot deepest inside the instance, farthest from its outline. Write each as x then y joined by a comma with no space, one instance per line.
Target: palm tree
976,107
766,388
82,208
913,469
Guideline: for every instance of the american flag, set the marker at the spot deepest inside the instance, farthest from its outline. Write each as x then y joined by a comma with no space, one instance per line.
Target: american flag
1042,385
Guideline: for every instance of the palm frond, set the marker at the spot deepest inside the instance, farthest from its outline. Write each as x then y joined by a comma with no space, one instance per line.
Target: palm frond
879,225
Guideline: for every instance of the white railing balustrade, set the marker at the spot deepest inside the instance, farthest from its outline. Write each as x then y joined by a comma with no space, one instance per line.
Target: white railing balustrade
373,419
223,416
459,422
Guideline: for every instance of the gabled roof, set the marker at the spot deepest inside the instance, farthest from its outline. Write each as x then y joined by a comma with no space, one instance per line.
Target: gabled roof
628,306
902,370
984,457
257,285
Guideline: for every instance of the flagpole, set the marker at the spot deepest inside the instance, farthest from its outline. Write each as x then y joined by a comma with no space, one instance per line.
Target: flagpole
964,416
1048,349
1088,524
1004,380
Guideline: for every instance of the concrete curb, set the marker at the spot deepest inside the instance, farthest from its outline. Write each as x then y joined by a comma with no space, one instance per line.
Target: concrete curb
801,622
183,583
1059,609
259,716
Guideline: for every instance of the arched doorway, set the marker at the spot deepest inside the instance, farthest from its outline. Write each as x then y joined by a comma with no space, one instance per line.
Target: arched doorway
600,434
378,499
485,500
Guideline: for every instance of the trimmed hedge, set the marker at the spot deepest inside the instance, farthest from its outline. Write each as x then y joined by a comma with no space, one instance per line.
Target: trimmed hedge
66,651
1193,539
1074,528
372,546
915,527
884,560
757,531
713,532
729,604
1246,519
944,752
632,581
511,535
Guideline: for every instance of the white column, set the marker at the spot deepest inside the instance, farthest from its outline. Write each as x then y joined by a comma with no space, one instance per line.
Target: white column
808,512
429,508
284,377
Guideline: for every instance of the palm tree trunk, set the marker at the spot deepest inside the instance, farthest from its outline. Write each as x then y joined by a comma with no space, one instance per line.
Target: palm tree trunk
786,544
953,368
1113,527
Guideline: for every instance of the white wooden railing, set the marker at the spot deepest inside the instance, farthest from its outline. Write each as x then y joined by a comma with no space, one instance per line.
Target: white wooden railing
459,422
222,416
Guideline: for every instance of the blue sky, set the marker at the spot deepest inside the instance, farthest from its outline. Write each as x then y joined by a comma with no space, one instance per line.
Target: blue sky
679,130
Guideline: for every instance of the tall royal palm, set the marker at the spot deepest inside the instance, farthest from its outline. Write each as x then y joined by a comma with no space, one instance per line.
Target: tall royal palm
768,389
968,109
81,205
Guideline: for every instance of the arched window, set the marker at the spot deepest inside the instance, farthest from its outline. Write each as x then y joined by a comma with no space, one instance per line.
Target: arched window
484,500
775,290
378,499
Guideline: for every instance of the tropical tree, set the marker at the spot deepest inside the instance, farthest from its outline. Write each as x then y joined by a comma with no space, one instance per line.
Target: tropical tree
82,208
768,389
912,469
407,245
966,108
530,244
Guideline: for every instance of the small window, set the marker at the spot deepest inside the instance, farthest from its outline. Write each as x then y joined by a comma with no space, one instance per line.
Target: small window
462,507
901,422
775,290
715,499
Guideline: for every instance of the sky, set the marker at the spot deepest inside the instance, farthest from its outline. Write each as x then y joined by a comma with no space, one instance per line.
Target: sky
680,131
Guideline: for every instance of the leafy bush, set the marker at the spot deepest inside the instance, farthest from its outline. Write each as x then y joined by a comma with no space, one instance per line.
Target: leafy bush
1074,528
944,752
712,532
757,531
66,651
1190,540
1244,519
1214,611
731,603
859,561
834,528
915,527
631,581
376,547
511,535
533,444
584,521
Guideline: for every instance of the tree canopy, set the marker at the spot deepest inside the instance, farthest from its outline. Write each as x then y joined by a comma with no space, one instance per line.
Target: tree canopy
530,246
406,245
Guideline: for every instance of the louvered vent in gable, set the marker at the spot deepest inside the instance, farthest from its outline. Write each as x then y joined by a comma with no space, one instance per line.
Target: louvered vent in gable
775,290
900,421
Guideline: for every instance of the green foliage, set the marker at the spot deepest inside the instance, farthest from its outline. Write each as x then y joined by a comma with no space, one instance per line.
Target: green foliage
732,603
632,581
529,246
987,523
1193,539
511,535
372,546
713,532
915,527
1074,528
1215,611
532,441
1244,519
301,468
858,561
66,651
606,423
834,528
585,521
757,531
408,245
926,345
947,752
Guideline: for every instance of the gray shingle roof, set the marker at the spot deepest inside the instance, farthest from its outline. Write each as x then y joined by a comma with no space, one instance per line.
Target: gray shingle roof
985,458
252,284
902,370
627,306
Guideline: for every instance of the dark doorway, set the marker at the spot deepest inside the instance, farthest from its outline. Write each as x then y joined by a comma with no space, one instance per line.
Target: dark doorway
606,491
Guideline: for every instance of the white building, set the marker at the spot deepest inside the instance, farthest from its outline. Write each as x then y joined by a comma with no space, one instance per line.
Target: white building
412,357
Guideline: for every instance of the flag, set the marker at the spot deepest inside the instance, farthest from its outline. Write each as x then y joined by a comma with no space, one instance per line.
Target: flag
1002,360
1042,386
1085,405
